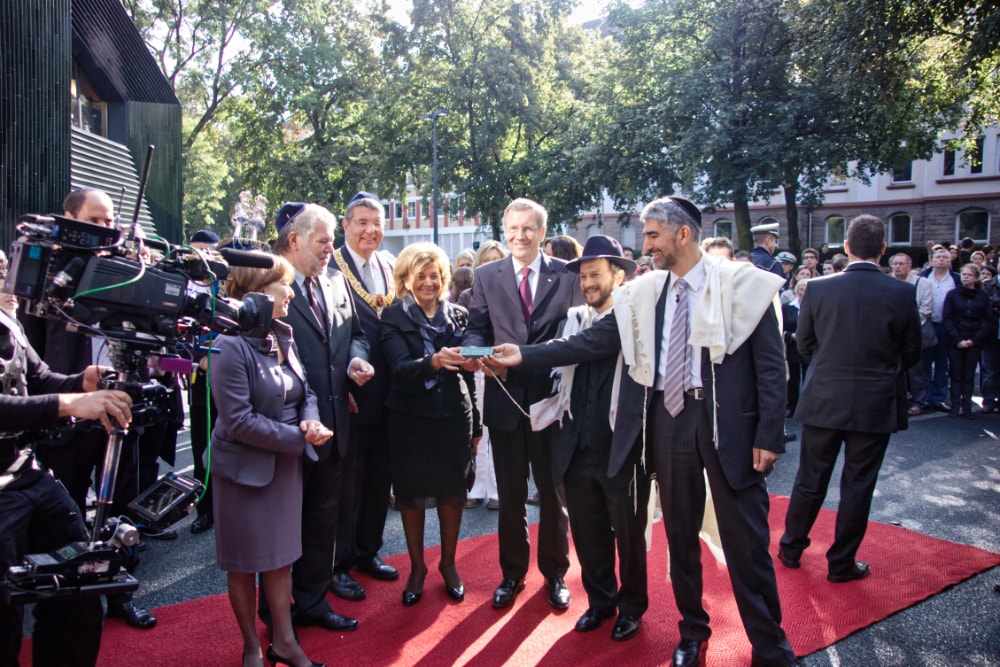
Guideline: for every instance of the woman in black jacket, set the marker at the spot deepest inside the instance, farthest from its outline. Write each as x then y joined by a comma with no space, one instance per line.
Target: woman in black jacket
432,426
966,319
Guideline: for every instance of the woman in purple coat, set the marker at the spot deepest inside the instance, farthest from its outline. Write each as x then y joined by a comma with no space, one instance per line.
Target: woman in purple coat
267,422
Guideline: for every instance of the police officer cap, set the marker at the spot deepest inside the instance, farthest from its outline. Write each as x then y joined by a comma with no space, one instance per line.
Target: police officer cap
770,228
785,257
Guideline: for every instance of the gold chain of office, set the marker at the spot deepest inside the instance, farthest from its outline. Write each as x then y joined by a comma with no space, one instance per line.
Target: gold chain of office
376,301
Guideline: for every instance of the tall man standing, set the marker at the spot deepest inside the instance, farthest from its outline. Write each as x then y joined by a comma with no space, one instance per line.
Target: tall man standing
333,349
901,264
935,358
704,396
522,299
364,496
854,394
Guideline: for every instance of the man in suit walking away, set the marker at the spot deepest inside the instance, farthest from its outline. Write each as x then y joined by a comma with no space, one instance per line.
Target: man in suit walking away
333,350
860,332
522,299
703,396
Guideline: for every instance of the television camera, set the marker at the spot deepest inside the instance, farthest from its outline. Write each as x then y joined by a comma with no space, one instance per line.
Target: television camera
151,317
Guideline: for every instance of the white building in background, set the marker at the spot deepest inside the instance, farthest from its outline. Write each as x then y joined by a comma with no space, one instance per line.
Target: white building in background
946,198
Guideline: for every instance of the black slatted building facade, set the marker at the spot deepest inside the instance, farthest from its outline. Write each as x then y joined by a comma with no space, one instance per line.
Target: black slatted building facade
80,100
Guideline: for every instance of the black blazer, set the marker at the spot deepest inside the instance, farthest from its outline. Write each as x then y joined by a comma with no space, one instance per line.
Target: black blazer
453,395
790,325
495,317
325,355
859,331
749,385
370,397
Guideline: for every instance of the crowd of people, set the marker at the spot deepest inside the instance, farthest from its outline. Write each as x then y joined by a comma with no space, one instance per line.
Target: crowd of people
449,383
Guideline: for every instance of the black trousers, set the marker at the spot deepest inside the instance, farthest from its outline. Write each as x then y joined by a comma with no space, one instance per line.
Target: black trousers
684,454
606,512
513,452
863,454
364,495
201,427
39,518
962,374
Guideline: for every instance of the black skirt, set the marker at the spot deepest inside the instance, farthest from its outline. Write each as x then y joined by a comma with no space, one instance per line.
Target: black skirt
430,456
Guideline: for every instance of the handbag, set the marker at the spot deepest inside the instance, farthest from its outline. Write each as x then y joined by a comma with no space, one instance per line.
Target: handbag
470,475
928,336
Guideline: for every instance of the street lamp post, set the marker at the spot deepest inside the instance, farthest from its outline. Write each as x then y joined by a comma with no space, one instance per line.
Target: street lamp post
433,118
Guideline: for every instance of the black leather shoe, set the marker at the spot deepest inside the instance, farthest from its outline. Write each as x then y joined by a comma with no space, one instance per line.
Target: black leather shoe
275,659
134,615
202,523
410,599
859,570
626,627
558,593
505,593
788,561
592,619
690,653
376,568
456,593
329,620
344,587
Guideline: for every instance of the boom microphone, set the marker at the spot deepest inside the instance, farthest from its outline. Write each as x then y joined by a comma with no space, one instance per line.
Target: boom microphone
253,260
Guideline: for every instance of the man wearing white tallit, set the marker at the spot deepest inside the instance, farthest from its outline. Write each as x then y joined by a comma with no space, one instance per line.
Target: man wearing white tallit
705,395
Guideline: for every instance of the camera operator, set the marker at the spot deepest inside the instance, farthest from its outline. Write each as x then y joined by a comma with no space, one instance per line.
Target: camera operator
73,457
36,513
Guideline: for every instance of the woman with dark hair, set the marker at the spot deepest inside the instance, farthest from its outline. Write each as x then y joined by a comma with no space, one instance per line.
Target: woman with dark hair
967,322
267,422
431,410
563,247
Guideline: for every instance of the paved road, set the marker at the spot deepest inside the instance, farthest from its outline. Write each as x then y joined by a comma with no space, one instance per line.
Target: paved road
940,478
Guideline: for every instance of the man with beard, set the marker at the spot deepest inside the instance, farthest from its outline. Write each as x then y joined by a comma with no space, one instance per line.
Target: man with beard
705,396
604,505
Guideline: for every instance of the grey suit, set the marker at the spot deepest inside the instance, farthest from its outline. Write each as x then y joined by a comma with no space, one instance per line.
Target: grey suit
325,353
860,331
495,316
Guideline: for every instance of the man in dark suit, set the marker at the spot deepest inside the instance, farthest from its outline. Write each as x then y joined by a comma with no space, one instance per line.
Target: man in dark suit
333,349
522,299
364,495
860,332
698,368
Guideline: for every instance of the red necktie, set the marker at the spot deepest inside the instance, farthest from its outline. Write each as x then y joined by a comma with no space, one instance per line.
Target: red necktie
525,290
314,304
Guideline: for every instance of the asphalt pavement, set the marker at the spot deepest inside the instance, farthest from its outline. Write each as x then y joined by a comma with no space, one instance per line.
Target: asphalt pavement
941,477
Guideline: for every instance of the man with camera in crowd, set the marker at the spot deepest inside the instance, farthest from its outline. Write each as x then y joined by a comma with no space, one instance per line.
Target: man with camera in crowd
36,513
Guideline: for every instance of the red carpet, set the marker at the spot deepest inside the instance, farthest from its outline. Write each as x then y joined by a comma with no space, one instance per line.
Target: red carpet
907,567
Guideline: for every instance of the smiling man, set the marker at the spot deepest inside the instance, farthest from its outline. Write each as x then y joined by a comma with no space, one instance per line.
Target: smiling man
522,299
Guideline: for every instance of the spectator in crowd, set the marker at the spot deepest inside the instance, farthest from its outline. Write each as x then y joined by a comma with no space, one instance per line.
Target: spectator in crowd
270,422
991,255
840,262
978,257
461,280
432,410
801,274
797,364
989,368
967,319
901,268
563,246
484,489
788,262
718,246
956,260
628,253
828,269
742,256
935,358
465,257
824,253
965,248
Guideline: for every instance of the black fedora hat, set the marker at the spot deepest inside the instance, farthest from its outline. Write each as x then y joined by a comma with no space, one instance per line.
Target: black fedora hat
602,247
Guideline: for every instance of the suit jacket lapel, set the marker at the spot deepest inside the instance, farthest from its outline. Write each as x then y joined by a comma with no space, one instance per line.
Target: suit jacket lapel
301,304
661,309
545,283
508,284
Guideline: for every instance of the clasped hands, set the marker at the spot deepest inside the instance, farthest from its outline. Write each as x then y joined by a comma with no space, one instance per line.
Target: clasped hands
360,371
315,433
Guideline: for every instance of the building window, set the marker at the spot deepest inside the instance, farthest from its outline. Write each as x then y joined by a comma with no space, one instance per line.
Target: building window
974,223
899,229
976,158
949,163
723,228
835,230
397,210
903,173
411,209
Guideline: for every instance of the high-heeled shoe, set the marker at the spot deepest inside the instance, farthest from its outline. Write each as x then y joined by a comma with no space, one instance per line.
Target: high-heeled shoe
276,659
410,599
456,593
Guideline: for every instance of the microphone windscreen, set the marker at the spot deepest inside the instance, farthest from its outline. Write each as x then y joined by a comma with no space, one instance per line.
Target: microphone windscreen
254,260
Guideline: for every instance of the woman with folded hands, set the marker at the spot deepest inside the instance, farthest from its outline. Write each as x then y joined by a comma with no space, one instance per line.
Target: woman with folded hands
267,422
